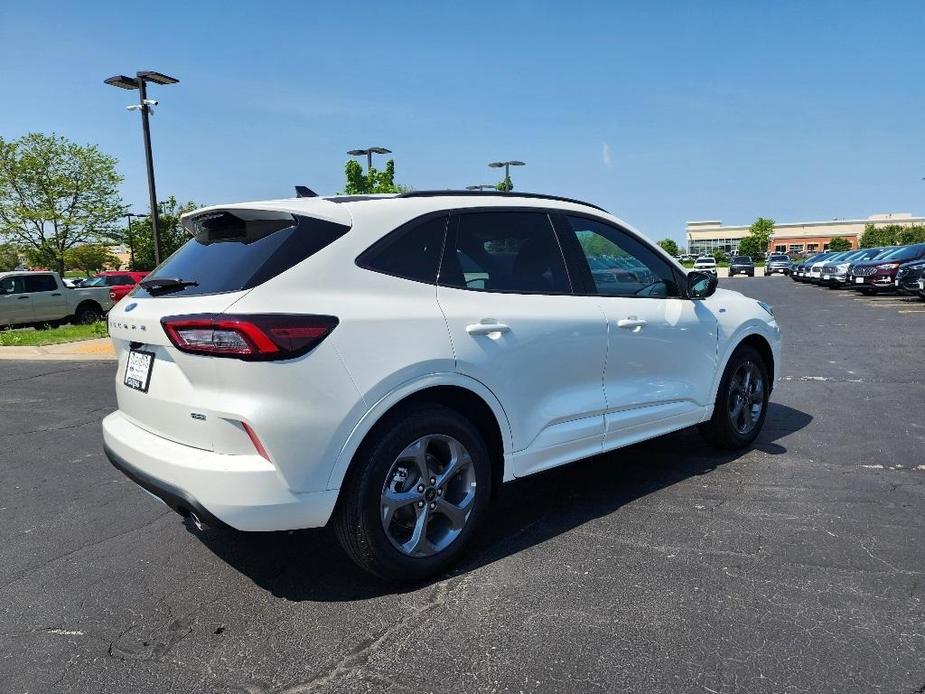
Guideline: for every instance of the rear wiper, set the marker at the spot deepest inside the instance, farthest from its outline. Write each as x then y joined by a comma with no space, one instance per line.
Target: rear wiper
162,285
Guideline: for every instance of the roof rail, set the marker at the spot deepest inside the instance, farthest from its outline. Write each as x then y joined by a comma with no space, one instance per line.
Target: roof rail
494,193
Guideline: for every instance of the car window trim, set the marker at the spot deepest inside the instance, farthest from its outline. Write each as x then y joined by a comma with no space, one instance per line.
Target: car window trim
453,229
584,268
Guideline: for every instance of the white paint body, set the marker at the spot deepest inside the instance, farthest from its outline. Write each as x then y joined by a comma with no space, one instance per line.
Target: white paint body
564,383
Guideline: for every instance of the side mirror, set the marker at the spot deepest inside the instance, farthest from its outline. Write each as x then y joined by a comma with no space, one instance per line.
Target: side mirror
700,285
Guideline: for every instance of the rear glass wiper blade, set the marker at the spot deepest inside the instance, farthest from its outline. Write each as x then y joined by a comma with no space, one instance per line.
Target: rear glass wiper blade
161,285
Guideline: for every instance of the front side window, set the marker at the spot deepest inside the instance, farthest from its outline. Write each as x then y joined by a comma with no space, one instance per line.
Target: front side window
620,264
40,283
504,252
12,285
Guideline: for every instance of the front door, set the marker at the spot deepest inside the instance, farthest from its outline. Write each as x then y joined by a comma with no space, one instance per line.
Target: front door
517,328
662,348
15,304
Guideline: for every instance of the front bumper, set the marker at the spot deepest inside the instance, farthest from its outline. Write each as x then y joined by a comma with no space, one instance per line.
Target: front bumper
777,269
244,492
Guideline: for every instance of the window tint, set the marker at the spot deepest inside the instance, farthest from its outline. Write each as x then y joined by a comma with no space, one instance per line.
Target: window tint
234,250
12,285
504,252
40,283
412,252
120,280
741,259
620,264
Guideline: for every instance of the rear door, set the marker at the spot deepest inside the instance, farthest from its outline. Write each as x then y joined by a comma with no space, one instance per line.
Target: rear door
175,394
661,355
517,328
15,303
48,301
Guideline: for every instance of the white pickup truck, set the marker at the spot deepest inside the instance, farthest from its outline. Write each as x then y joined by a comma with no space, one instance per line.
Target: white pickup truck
40,298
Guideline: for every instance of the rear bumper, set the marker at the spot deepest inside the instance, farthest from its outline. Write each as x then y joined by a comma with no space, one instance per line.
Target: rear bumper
244,492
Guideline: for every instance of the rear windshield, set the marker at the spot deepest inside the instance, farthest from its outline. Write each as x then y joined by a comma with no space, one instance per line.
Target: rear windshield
240,249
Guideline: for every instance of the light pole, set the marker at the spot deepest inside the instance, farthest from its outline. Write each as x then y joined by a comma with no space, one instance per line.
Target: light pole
145,105
482,186
131,239
368,152
508,186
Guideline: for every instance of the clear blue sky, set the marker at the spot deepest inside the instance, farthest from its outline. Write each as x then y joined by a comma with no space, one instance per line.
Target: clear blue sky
660,112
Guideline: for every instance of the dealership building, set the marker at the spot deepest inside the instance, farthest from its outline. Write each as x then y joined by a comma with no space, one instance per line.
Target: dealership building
710,236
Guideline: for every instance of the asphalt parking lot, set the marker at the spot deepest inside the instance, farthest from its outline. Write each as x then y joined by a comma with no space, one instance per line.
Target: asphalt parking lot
797,566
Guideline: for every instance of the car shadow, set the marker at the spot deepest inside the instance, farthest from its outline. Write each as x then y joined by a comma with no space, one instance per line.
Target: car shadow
309,564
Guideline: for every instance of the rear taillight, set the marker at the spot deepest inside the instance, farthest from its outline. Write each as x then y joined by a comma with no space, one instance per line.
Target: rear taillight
251,337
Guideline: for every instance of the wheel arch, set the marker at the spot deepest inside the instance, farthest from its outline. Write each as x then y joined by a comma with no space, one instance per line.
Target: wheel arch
461,393
755,339
89,302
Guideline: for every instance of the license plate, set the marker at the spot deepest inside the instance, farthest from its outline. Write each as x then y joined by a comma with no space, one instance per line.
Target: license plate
138,370
825,277
859,280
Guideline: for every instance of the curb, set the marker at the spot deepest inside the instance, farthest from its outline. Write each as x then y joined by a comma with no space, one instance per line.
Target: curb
100,349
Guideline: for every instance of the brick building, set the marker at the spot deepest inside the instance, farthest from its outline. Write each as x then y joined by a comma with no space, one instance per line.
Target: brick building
796,237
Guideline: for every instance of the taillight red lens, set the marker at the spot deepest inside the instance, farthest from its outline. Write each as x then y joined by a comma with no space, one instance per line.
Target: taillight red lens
251,337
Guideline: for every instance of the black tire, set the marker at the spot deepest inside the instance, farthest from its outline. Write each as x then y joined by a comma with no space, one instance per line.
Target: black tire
357,521
87,313
751,274
719,430
867,291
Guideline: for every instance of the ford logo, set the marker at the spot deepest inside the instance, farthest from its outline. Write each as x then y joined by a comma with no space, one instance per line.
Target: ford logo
130,307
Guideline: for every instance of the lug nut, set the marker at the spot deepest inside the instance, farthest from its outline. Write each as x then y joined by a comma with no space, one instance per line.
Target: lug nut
432,505
420,487
420,504
439,492
433,480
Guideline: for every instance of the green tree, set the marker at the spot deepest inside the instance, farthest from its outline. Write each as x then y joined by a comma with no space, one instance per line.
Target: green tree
55,195
173,235
839,244
670,247
374,181
911,234
9,257
752,246
505,186
720,255
874,236
90,258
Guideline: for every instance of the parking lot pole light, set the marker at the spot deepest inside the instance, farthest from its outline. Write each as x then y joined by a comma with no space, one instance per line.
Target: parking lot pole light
368,152
507,171
139,82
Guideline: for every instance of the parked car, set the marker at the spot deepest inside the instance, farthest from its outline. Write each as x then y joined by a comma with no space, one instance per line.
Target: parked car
687,258
741,265
705,263
778,263
879,274
800,270
835,271
40,298
120,282
908,276
384,363
814,270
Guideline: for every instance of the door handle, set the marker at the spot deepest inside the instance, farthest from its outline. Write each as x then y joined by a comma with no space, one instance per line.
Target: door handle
631,323
22,297
57,294
487,327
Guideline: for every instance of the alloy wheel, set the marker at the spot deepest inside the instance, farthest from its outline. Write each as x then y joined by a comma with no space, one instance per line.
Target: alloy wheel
428,495
746,397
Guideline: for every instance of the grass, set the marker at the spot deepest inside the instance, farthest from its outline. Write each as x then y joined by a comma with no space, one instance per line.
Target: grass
31,337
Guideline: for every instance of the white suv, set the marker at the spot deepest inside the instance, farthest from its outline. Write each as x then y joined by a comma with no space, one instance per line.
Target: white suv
386,362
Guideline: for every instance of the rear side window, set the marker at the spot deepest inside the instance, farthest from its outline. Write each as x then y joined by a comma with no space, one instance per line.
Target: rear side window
504,252
240,249
40,283
411,252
